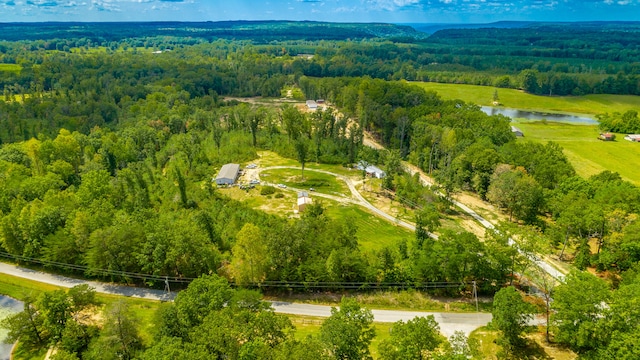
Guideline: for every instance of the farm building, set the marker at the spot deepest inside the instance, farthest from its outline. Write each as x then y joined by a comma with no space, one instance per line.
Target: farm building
228,174
607,137
633,137
517,132
371,170
312,105
320,101
303,200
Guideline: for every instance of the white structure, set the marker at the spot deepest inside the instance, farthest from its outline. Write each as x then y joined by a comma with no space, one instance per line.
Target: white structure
372,170
312,104
228,174
633,137
517,132
303,200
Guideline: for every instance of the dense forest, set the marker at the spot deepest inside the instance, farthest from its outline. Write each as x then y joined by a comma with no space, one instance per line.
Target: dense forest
108,147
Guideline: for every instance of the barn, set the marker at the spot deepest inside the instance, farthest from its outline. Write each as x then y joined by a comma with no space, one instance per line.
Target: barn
228,174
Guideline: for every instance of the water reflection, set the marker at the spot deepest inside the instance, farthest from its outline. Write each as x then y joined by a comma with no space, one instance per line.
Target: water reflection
530,115
8,306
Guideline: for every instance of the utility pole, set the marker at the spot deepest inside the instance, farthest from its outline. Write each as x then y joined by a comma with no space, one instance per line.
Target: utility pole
475,295
166,285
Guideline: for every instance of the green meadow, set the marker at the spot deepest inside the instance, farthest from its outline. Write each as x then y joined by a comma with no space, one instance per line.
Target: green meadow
588,155
517,99
374,233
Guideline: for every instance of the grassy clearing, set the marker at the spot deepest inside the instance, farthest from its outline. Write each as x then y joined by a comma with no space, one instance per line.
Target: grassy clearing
321,182
511,98
588,155
373,233
14,68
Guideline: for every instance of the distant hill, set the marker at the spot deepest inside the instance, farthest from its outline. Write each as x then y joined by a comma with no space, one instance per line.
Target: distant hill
432,28
259,31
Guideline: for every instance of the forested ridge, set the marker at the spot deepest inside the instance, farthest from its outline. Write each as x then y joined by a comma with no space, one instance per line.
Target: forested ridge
108,150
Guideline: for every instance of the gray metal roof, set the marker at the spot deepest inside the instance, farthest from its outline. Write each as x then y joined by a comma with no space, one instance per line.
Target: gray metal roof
229,171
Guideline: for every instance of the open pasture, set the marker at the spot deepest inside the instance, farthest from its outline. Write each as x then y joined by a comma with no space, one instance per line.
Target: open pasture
517,99
587,154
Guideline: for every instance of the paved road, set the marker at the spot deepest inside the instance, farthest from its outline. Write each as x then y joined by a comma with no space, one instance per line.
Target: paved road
100,287
449,322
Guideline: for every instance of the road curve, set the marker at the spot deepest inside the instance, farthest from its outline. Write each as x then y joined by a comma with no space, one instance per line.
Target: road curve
449,322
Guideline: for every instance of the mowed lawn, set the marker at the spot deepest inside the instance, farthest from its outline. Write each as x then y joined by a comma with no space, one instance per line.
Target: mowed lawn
516,99
321,182
587,154
373,233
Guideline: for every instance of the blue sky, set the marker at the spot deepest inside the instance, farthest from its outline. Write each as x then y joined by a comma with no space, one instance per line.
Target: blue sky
398,11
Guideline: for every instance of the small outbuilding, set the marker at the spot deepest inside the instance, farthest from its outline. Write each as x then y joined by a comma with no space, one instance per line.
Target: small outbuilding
607,137
303,200
312,104
372,170
633,137
228,174
517,132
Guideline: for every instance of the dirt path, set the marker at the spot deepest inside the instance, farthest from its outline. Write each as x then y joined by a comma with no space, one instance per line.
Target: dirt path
356,197
465,202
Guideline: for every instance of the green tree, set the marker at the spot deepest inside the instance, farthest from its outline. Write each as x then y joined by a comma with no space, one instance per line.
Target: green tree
27,325
119,338
578,306
348,331
416,339
249,264
511,315
302,149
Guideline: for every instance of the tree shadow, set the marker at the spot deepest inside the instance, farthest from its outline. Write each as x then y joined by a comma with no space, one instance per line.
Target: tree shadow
530,350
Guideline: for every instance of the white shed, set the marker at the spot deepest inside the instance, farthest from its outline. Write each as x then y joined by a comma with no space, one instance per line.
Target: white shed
372,170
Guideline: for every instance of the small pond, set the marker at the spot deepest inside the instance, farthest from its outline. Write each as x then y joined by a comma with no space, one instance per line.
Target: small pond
8,306
531,115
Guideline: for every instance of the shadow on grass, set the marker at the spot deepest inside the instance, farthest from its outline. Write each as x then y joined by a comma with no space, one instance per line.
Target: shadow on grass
531,350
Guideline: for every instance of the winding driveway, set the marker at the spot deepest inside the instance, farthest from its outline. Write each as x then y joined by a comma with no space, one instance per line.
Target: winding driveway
449,322
356,198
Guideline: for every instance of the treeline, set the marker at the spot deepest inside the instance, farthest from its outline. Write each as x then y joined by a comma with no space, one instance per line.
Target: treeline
258,67
627,123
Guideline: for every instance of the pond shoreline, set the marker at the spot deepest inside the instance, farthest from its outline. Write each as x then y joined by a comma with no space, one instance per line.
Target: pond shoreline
539,116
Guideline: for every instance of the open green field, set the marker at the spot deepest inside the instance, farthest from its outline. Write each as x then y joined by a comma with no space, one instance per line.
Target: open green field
14,68
587,154
516,99
373,232
321,182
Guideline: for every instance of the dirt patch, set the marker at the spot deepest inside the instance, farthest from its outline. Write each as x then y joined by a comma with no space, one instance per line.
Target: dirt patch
483,208
554,351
